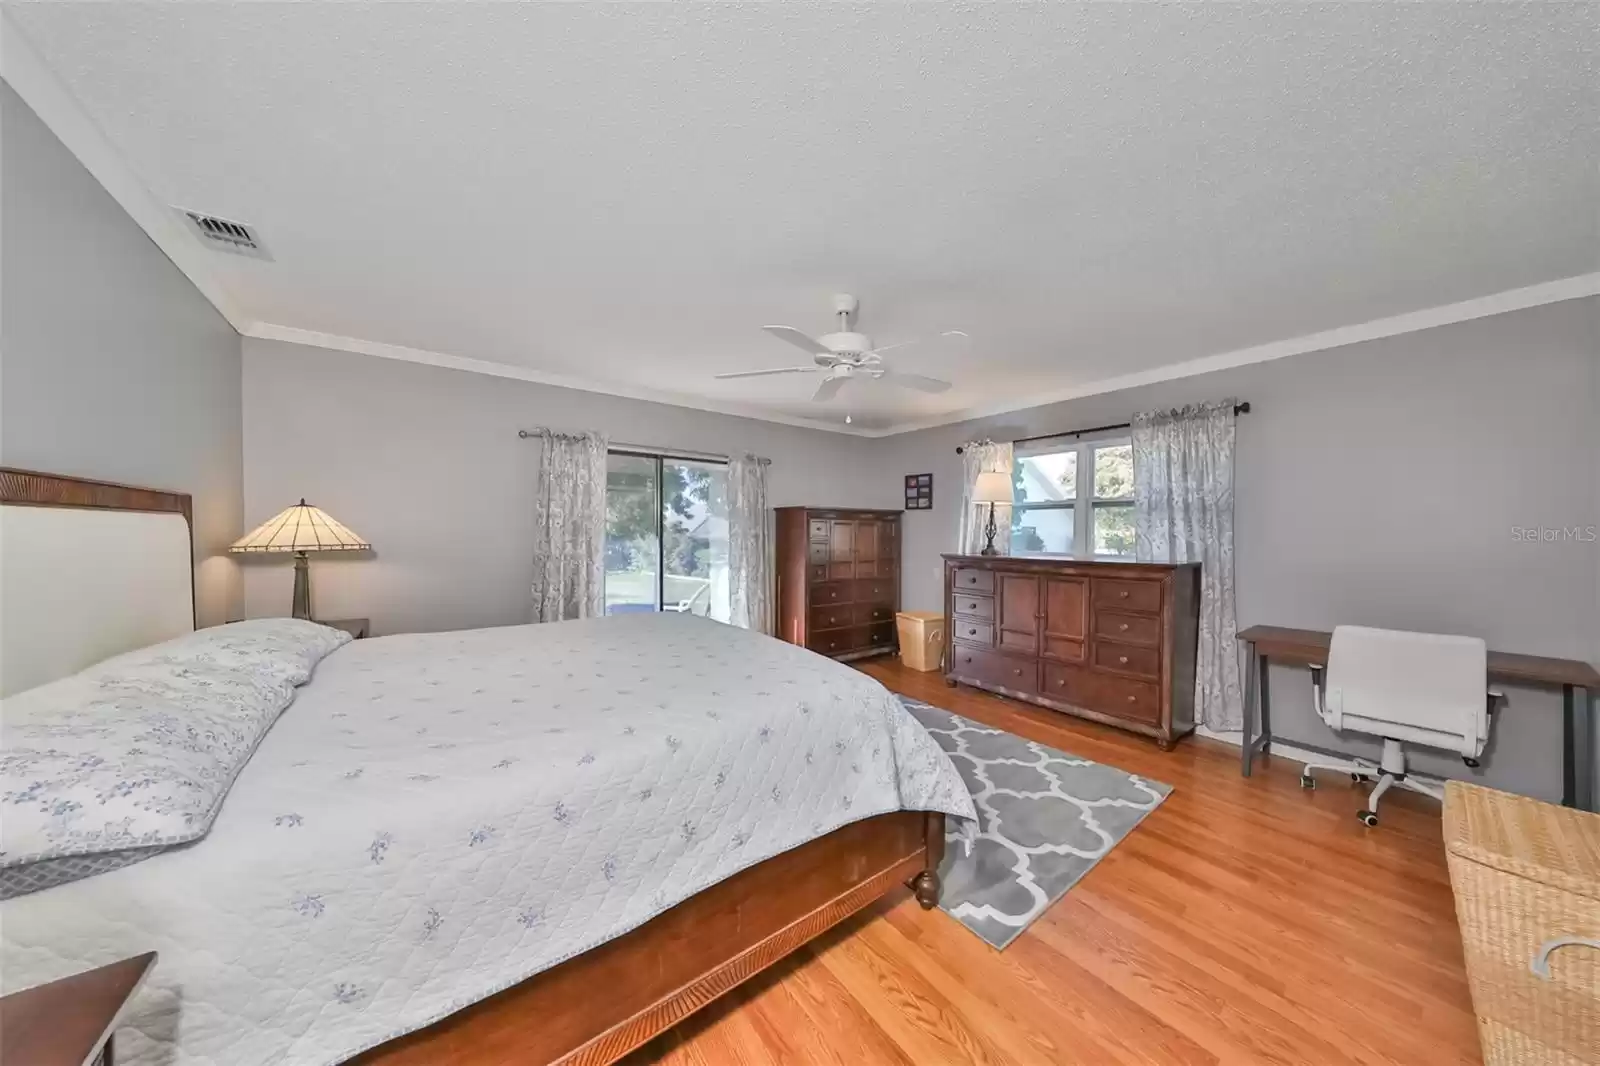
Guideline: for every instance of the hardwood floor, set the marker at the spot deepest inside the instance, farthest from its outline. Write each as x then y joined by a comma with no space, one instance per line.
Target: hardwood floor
1244,921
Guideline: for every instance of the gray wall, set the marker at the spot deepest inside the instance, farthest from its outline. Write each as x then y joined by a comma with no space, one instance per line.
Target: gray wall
426,464
1594,653
112,365
1378,484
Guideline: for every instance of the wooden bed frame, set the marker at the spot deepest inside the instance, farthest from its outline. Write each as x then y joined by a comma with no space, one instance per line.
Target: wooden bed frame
597,1007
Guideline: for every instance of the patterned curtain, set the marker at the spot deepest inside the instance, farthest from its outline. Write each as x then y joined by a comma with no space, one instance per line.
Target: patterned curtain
1183,513
976,457
569,527
749,545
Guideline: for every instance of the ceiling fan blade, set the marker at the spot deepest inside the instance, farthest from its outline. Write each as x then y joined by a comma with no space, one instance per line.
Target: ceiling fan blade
915,381
764,373
828,389
948,334
798,339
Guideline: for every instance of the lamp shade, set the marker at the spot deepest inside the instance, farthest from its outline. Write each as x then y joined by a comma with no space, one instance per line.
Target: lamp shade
301,528
993,486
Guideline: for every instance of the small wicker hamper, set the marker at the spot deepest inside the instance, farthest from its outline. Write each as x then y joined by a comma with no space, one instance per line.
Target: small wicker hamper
1526,877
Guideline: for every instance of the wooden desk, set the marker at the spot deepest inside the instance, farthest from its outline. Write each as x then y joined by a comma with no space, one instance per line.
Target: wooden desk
1305,646
69,1022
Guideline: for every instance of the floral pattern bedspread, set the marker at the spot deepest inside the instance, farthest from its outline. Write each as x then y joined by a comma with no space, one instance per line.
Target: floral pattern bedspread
439,816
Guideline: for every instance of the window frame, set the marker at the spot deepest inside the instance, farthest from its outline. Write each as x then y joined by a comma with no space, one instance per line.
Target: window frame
1083,491
660,459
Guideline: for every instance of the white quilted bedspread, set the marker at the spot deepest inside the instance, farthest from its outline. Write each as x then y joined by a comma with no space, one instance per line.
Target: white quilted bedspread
438,816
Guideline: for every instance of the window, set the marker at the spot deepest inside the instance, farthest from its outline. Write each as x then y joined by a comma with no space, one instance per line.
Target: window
666,535
1073,498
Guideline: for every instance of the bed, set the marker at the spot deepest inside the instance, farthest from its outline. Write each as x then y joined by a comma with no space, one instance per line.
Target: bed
539,844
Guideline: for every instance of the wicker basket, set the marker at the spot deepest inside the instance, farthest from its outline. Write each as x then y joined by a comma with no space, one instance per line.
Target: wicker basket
1526,877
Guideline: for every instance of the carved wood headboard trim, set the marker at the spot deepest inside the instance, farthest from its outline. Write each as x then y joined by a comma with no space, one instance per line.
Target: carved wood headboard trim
29,488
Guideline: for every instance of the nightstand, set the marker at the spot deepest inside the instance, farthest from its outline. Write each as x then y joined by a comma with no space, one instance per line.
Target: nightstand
69,1022
356,627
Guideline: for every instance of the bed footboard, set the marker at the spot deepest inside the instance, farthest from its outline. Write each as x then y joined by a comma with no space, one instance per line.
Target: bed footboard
596,1008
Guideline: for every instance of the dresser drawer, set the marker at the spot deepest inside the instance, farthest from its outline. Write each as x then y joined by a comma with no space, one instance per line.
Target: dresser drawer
818,553
1128,659
974,581
972,630
831,592
973,605
840,617
834,641
880,635
1121,697
868,613
992,668
875,590
818,573
1126,595
1127,628
819,529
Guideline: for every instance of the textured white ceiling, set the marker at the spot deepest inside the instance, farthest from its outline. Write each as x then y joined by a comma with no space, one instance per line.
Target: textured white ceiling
625,193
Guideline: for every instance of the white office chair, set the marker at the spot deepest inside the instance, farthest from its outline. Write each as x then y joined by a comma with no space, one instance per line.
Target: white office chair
1414,688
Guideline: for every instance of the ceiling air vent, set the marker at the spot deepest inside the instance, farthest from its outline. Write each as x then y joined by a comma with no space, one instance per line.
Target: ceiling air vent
225,235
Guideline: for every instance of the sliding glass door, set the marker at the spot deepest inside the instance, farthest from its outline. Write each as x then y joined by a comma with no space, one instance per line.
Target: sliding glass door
666,535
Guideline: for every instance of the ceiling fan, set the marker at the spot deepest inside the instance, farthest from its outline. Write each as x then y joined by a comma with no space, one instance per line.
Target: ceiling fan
845,355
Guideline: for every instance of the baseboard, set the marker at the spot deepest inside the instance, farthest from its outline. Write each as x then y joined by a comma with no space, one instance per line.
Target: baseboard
1294,754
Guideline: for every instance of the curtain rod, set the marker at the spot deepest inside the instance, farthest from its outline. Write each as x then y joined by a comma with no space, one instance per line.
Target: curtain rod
1238,409
645,449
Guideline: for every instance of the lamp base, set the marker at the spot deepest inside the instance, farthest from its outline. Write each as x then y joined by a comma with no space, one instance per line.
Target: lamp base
301,607
989,532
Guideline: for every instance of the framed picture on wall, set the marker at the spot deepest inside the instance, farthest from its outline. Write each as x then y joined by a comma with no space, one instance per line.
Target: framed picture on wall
919,492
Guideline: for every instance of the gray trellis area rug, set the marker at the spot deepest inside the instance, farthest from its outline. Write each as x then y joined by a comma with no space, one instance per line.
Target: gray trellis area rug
1044,819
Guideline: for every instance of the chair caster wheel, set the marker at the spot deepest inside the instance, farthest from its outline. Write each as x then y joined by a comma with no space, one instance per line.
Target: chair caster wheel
1307,781
1472,764
1357,777
1367,817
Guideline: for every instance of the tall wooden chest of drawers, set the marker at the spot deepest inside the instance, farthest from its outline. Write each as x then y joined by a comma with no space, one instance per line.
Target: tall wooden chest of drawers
1104,640
838,580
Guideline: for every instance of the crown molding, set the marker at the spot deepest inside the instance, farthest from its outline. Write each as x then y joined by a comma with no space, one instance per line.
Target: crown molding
41,90
291,335
1328,340
1549,292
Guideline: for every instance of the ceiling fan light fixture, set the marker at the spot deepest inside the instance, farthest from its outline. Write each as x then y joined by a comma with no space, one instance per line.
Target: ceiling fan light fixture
843,355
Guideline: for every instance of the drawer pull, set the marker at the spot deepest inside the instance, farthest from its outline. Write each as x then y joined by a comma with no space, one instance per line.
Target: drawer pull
972,607
1123,594
835,595
972,632
1133,699
1017,672
1123,659
1123,626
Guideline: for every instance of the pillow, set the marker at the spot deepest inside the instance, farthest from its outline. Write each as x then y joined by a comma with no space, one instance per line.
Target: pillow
136,754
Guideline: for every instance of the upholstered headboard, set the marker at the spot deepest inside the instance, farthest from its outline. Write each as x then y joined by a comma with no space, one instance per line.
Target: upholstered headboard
88,569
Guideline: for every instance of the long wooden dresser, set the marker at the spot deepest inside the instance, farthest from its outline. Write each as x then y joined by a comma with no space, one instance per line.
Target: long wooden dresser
1109,641
838,579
